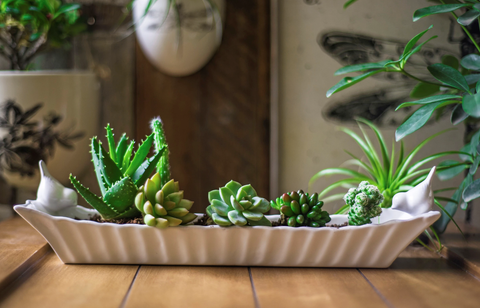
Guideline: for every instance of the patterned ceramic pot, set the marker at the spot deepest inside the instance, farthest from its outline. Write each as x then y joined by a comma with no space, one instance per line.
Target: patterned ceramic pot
46,115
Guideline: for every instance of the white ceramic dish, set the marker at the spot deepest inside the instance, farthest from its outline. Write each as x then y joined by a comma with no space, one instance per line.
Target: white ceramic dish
84,241
375,245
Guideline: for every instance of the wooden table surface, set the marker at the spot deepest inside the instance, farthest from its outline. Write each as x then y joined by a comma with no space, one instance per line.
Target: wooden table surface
31,275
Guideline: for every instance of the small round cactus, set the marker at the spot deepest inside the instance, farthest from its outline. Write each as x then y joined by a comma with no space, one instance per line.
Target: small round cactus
364,203
163,206
239,205
301,209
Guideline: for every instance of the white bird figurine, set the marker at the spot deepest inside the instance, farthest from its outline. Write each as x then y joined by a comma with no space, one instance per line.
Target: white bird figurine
55,199
417,200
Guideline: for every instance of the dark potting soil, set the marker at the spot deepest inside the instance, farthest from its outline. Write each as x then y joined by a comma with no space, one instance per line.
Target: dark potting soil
121,221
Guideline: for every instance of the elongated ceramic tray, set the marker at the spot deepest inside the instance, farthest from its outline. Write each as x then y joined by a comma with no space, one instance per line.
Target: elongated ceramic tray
374,245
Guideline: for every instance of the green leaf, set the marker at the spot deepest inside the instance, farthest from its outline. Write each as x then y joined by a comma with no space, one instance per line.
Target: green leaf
350,81
449,173
127,156
146,168
472,78
471,104
220,207
336,171
237,218
474,166
416,120
413,42
226,193
260,205
449,76
405,58
360,67
458,115
348,3
262,222
140,155
121,196
472,191
66,7
111,144
221,221
431,99
468,17
422,90
92,199
437,9
450,61
471,62
120,150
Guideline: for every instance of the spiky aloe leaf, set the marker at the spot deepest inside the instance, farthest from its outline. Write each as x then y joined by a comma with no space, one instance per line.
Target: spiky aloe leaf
140,155
111,143
109,170
146,168
92,199
121,195
127,156
163,165
96,165
121,149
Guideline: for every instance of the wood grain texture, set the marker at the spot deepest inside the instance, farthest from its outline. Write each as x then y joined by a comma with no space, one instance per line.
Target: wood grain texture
53,284
463,251
186,286
20,247
313,287
216,120
419,278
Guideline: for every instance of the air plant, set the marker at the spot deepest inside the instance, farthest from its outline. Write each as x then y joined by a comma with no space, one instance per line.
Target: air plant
118,175
391,176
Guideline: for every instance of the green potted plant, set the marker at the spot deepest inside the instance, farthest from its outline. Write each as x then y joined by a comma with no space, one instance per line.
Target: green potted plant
43,114
454,85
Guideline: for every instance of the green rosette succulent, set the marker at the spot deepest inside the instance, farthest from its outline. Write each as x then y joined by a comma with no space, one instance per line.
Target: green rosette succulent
118,175
364,202
239,205
163,206
298,209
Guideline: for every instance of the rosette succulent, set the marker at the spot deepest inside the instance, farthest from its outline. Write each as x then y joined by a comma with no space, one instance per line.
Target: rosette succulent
364,203
301,209
118,175
239,205
163,206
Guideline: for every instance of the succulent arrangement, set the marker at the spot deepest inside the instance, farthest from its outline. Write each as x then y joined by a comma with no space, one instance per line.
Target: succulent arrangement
163,206
299,209
28,26
239,205
364,203
118,175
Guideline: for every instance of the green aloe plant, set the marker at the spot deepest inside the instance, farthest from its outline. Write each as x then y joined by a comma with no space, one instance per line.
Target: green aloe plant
163,206
118,175
239,205
298,208
383,170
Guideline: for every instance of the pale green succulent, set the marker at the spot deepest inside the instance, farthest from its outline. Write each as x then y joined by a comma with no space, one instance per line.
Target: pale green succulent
163,206
239,205
364,203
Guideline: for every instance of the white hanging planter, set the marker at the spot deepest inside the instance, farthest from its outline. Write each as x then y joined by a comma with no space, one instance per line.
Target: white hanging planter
182,42
46,114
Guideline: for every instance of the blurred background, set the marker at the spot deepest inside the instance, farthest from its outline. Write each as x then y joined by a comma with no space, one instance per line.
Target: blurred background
251,107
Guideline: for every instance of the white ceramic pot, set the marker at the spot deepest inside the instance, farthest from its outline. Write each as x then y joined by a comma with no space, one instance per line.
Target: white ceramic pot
58,130
179,50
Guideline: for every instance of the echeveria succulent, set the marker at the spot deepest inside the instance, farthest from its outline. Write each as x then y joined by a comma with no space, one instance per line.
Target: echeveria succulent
118,175
239,205
163,206
364,203
301,209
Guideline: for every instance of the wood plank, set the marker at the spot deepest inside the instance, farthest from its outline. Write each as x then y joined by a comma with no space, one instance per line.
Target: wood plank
53,284
313,287
20,247
187,286
465,252
217,121
419,278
